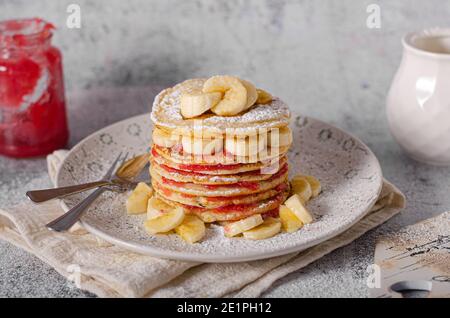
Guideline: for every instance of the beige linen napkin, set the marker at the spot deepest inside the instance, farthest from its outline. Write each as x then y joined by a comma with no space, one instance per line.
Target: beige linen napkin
112,271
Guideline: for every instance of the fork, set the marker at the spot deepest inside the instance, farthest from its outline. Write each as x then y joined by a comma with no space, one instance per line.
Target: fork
67,220
124,173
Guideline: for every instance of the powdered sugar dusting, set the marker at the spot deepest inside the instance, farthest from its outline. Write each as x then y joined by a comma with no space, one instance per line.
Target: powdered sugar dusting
166,113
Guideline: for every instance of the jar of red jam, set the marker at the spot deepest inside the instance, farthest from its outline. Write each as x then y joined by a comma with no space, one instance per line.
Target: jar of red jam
32,103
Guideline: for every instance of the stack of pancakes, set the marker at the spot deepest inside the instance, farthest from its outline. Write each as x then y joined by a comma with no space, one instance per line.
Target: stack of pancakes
234,178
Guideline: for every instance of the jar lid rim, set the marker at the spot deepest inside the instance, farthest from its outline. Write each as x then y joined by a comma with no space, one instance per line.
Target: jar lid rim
25,31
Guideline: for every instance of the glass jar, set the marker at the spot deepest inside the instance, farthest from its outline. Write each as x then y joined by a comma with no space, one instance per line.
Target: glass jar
32,103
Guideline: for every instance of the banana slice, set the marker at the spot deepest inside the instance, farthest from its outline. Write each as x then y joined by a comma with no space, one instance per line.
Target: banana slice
263,97
192,229
238,227
202,146
316,188
289,220
268,228
235,94
137,201
301,186
294,203
195,104
144,188
279,137
165,222
252,94
156,207
164,139
245,146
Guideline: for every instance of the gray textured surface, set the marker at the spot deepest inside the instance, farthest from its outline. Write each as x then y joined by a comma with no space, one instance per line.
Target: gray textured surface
318,55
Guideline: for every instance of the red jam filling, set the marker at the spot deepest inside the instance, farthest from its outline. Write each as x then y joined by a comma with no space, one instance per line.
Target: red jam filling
154,153
281,187
242,184
191,173
252,185
182,172
219,166
172,182
233,207
166,192
271,214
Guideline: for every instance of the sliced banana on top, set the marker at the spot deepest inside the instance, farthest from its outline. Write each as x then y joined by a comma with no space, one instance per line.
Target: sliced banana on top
234,92
252,94
164,139
202,146
279,137
245,146
195,104
263,97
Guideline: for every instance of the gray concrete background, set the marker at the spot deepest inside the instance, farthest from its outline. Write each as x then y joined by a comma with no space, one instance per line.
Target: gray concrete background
318,55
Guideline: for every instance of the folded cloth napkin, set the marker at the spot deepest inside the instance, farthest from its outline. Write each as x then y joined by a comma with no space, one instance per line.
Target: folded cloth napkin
112,271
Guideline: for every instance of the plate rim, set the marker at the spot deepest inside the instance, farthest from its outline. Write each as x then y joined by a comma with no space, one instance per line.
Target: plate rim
185,256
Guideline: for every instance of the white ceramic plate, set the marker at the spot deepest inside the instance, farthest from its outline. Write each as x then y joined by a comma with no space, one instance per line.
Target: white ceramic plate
349,172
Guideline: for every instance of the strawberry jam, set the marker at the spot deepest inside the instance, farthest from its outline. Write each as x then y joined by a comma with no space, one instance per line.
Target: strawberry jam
32,104
271,214
172,182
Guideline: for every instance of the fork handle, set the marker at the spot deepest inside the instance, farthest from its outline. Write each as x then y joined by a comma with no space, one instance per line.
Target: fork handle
67,220
48,194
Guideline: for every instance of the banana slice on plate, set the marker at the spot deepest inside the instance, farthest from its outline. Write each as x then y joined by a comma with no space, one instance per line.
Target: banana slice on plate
202,146
270,227
192,229
294,203
252,94
263,97
301,186
316,188
238,227
137,201
234,94
165,222
164,139
279,137
245,146
156,207
289,220
195,104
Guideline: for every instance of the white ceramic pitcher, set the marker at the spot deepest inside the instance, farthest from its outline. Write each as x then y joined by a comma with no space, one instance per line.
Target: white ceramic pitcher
418,104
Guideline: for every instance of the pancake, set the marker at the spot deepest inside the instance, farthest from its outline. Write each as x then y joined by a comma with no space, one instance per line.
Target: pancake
240,188
231,212
221,186
210,169
166,114
215,202
177,155
199,178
